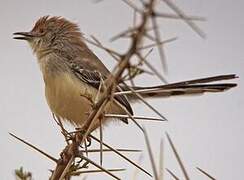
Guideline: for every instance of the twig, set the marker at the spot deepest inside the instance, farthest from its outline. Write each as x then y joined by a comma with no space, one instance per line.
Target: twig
185,18
109,150
152,68
161,161
172,174
101,140
177,157
35,148
135,117
145,102
95,171
156,177
173,16
205,173
133,6
159,45
121,155
100,167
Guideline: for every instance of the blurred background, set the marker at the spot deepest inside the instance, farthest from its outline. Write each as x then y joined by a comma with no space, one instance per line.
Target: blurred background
207,130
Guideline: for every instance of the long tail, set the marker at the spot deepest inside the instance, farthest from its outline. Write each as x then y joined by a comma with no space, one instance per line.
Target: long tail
191,87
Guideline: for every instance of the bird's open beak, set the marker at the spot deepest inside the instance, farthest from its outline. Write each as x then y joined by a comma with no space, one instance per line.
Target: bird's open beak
23,35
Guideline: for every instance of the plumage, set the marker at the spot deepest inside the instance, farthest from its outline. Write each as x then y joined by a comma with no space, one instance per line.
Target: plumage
72,73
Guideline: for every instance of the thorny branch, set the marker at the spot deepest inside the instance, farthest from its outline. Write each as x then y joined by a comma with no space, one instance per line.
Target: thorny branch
66,165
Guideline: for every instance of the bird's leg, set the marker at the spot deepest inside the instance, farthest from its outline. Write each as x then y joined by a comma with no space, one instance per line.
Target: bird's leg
87,140
63,130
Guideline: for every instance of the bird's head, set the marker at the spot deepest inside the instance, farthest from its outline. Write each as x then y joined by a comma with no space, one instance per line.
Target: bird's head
51,32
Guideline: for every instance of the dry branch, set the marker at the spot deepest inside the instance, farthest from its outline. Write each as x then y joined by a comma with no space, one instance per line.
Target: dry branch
66,165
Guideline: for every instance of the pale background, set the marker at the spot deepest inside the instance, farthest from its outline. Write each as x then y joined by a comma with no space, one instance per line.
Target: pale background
207,130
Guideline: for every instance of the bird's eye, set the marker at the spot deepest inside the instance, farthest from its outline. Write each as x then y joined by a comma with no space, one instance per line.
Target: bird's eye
41,31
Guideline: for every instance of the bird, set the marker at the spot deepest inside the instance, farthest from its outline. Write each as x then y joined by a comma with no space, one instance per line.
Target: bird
73,74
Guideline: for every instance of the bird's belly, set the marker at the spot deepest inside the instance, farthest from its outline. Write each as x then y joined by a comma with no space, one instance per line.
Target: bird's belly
72,99
69,98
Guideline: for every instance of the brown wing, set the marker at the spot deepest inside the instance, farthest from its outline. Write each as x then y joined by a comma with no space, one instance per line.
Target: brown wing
89,69
94,79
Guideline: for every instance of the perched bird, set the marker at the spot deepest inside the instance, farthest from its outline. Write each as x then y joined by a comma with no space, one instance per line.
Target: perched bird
72,73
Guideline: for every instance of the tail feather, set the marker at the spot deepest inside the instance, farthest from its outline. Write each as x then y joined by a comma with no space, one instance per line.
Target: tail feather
192,87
